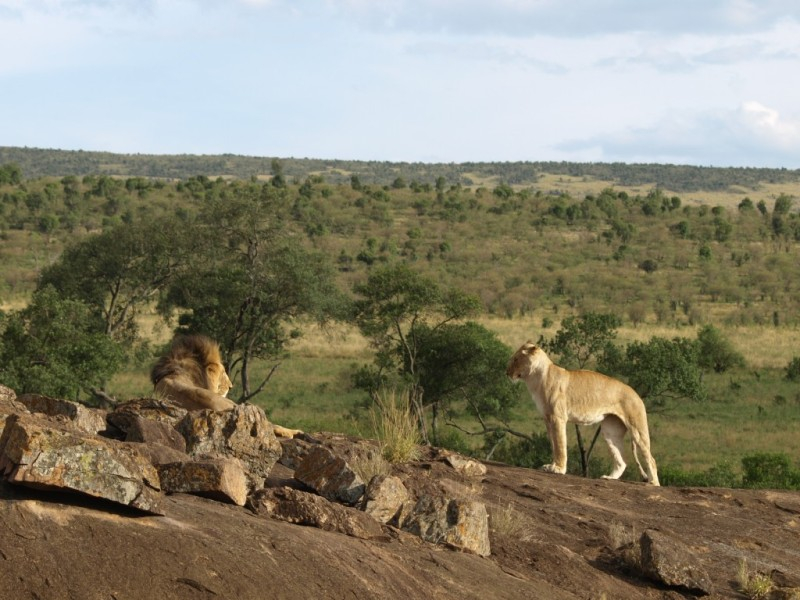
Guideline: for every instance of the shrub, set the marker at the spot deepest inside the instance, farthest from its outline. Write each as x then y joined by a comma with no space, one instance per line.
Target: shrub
793,369
766,470
715,351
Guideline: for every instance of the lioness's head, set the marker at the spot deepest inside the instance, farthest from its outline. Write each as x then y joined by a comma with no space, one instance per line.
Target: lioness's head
525,361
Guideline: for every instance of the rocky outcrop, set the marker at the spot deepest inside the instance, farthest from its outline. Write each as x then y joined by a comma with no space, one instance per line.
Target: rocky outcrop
444,526
244,433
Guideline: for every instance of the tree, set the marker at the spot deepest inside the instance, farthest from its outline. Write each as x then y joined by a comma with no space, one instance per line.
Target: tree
660,369
250,280
57,347
117,272
584,338
461,369
397,306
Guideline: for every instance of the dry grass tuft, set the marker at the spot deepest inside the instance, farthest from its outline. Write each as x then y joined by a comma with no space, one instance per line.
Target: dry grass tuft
370,465
507,521
755,586
396,427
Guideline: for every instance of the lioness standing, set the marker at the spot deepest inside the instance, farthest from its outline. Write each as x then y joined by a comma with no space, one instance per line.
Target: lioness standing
585,398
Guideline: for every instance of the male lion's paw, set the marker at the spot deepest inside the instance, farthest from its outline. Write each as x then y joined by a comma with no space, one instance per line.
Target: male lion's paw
551,468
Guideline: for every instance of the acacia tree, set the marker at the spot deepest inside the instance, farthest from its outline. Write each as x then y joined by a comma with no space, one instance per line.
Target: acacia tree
398,310
251,278
120,270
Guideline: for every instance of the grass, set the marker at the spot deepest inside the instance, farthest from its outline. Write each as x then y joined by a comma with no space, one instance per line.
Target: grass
395,427
755,586
751,410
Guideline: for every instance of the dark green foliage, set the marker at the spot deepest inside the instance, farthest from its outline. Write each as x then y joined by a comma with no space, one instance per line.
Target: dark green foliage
767,470
464,364
659,369
56,347
583,339
720,475
793,369
117,272
759,471
715,352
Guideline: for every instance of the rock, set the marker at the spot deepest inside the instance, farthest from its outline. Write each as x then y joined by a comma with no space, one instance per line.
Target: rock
220,479
460,523
303,508
82,417
7,395
8,405
293,451
243,432
158,454
38,453
330,476
385,495
466,466
149,431
161,411
668,561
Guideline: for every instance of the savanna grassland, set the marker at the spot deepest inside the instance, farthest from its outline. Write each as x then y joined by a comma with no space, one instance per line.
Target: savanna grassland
665,249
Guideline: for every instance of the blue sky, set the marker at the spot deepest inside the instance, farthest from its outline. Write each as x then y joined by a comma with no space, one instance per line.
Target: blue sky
702,82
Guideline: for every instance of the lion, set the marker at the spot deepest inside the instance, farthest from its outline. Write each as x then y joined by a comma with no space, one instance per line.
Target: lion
192,375
585,398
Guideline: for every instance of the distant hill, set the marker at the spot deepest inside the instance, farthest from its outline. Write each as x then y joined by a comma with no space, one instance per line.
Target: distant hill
38,162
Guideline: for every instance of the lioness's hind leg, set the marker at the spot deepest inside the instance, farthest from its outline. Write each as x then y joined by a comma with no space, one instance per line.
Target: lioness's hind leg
614,431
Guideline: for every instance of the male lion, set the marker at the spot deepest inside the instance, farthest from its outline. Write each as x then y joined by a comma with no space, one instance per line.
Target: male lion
583,397
192,375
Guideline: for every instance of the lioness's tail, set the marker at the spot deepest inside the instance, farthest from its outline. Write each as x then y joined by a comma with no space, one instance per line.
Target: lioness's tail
641,440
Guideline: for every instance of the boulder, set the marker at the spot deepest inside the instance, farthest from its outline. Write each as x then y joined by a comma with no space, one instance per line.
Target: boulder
668,561
152,409
220,479
89,420
41,453
384,497
8,405
243,432
303,508
466,466
330,476
463,524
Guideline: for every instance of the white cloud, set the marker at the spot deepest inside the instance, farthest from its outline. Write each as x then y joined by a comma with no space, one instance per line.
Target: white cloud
750,135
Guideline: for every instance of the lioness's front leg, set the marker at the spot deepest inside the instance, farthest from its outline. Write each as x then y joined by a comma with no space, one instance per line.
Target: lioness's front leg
557,431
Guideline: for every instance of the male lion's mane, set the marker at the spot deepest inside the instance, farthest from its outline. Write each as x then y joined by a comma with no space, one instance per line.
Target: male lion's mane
191,374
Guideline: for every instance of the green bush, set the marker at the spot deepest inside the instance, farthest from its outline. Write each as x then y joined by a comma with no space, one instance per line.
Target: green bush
715,351
765,470
793,369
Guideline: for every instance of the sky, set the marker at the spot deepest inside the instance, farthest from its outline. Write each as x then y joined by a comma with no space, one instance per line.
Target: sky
699,82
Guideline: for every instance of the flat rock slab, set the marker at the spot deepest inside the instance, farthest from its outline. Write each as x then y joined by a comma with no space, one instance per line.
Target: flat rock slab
303,508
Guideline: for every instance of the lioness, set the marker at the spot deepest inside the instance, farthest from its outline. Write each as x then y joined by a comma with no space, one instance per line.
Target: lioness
583,397
192,375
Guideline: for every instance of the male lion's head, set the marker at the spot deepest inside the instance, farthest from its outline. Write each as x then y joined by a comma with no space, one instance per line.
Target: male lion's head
525,361
217,377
